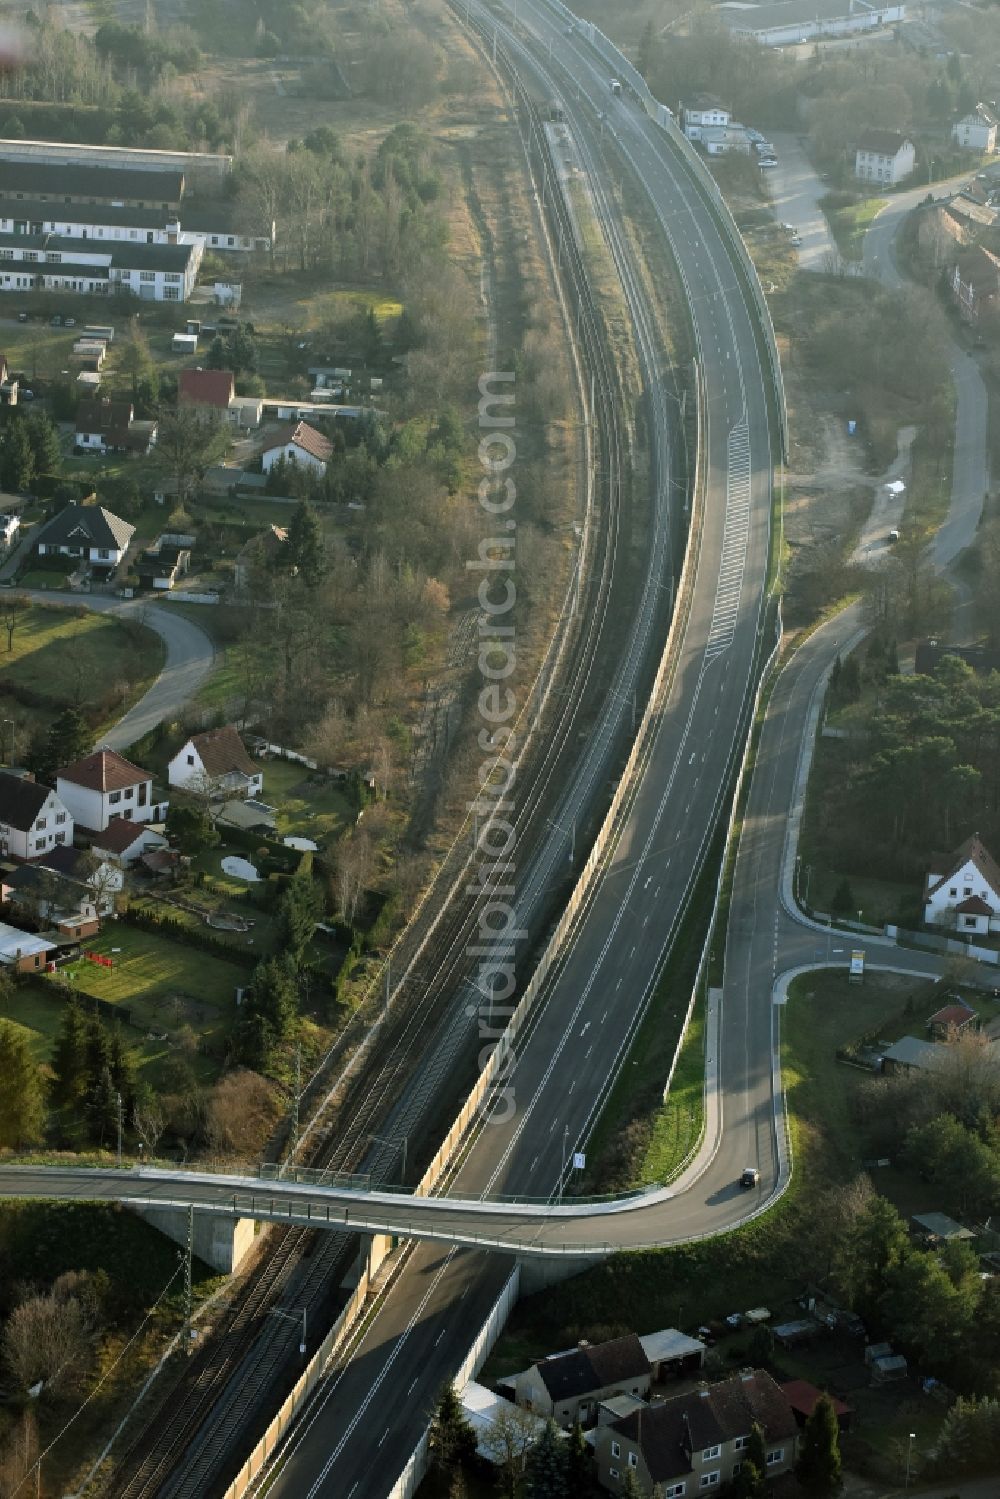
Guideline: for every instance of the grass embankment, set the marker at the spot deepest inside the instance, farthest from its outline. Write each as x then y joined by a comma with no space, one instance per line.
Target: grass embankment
849,221
66,655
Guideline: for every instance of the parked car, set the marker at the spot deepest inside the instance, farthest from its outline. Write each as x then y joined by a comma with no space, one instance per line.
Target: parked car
56,321
749,1177
22,317
69,322
766,162
763,147
27,395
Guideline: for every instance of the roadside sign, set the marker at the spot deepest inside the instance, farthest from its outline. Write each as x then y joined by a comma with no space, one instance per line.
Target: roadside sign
579,1160
857,966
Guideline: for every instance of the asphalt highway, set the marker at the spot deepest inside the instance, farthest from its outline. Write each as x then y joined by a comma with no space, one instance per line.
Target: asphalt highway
583,1030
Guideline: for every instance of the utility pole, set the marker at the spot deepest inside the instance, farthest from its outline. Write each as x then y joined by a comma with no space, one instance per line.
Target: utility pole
562,1173
119,1102
388,981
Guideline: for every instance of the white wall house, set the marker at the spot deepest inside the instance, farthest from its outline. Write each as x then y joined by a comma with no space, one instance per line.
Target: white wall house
89,532
216,762
786,24
298,443
976,131
701,112
204,227
724,140
104,786
153,273
883,158
966,895
33,819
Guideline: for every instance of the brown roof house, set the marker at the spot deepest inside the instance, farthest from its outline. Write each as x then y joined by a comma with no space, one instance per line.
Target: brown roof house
975,283
104,786
570,1386
963,890
210,388
952,1019
695,1443
216,762
297,442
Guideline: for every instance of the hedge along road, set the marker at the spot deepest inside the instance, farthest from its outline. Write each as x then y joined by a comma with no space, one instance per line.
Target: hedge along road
190,658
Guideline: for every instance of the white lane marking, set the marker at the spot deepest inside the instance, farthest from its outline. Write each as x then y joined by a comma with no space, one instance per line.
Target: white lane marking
736,537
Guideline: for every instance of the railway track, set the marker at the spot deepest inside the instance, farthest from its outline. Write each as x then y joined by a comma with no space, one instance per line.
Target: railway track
425,1037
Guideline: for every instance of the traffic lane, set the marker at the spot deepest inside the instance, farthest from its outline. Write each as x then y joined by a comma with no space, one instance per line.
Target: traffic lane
970,464
351,1433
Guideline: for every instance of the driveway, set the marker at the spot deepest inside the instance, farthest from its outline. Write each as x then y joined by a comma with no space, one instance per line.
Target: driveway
190,656
795,194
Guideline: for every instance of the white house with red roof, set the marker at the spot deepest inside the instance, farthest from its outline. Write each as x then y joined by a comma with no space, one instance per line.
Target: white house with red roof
966,895
123,843
104,787
298,443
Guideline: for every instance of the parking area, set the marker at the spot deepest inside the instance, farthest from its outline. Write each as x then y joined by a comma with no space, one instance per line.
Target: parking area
795,190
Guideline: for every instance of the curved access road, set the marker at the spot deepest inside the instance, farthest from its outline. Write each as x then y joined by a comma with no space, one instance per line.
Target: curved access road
190,658
970,477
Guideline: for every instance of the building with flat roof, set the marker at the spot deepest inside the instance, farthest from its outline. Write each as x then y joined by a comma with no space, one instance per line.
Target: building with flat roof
783,23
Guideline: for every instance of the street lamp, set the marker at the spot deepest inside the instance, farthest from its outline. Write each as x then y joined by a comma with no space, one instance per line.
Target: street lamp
299,1312
909,1454
5,722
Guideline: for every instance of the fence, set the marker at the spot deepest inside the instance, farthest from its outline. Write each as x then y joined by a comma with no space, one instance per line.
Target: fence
953,946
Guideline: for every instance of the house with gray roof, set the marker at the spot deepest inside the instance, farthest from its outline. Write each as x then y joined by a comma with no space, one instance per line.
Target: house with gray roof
33,819
89,532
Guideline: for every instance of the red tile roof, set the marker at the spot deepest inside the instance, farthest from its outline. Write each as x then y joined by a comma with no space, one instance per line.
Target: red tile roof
104,771
974,906
301,435
222,751
119,835
957,1015
206,388
803,1396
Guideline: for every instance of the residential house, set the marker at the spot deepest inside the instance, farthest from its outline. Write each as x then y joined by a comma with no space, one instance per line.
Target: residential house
723,140
104,786
803,1398
212,390
910,1054
89,532
23,951
671,1354
701,112
105,425
569,1386
216,761
952,1019
966,895
33,819
976,131
942,234
103,876
123,843
975,283
8,384
9,527
259,552
937,1229
66,904
298,443
694,1443
883,157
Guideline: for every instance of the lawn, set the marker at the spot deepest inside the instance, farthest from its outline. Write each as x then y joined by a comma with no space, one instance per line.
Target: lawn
317,810
849,223
165,985
75,655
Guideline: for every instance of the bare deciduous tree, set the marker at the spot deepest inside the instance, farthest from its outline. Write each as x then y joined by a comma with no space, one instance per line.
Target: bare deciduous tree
241,1111
50,1338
